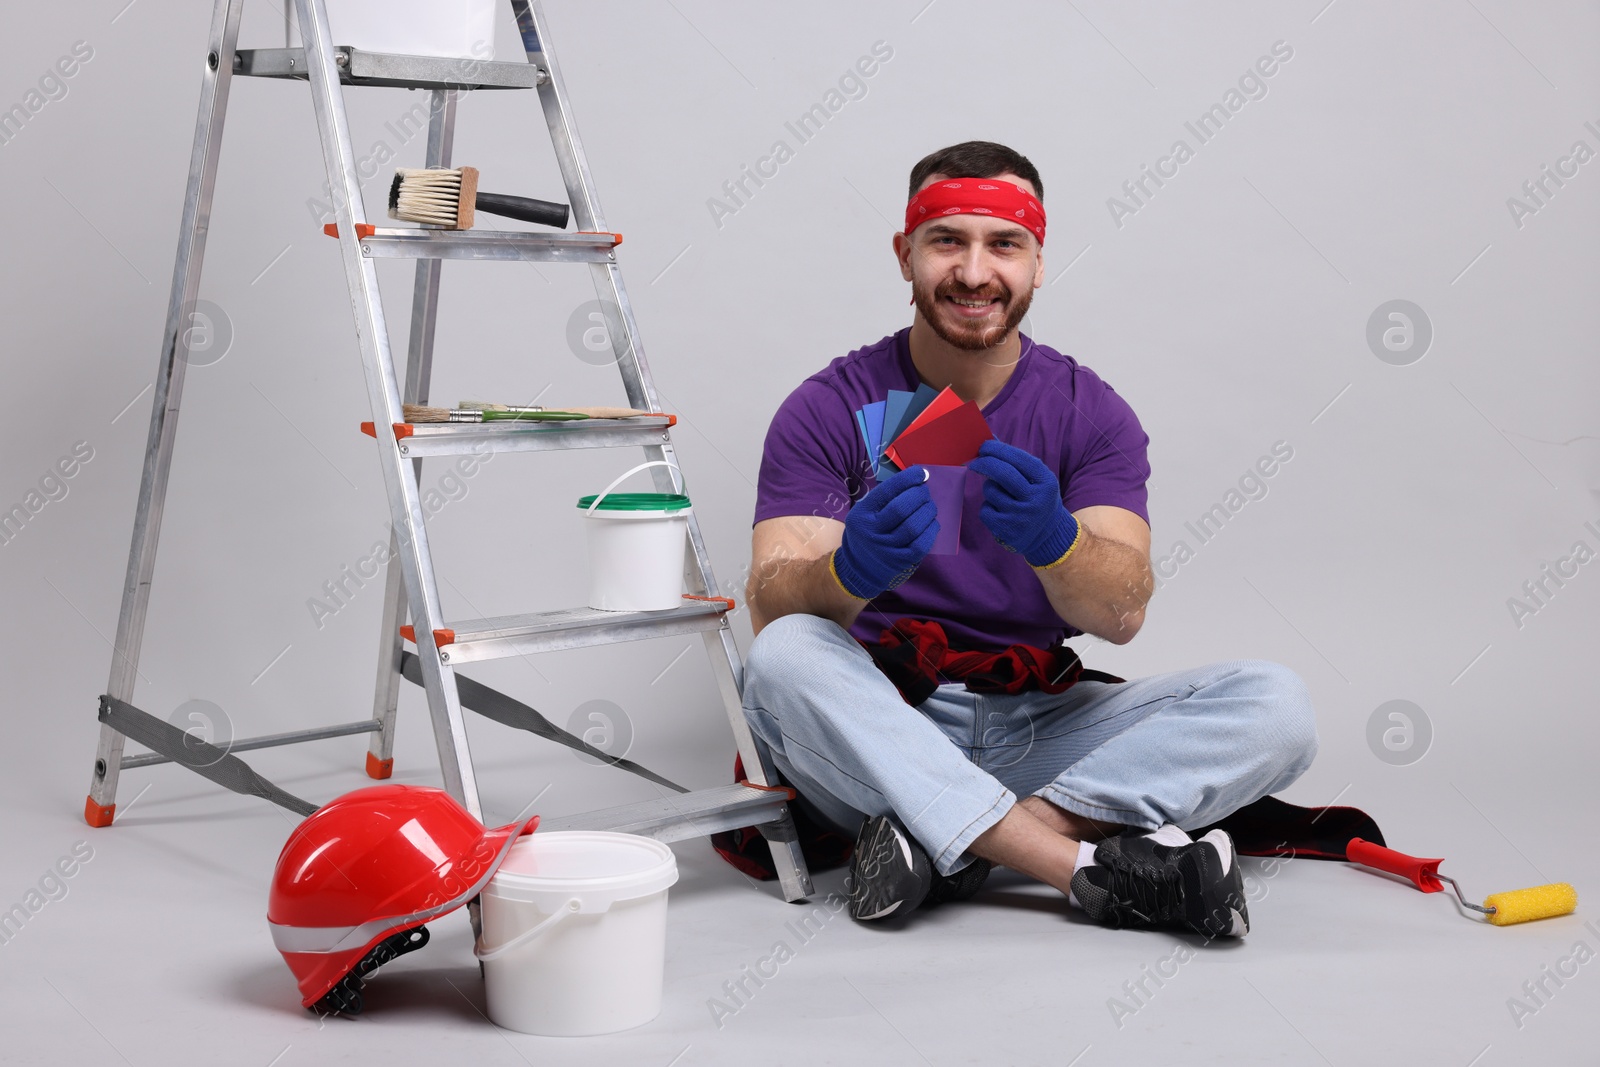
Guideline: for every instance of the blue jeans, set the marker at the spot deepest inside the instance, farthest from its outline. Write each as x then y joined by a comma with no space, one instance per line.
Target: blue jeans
1187,747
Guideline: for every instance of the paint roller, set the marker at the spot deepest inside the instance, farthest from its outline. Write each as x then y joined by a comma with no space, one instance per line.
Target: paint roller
1501,909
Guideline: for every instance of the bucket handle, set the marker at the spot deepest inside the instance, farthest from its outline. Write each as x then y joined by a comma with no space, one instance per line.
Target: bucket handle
653,463
570,907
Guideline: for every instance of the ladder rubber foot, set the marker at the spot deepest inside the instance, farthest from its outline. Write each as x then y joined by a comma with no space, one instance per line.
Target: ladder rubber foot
379,768
96,815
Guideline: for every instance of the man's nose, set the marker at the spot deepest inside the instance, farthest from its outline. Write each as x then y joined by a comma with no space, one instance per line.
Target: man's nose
973,269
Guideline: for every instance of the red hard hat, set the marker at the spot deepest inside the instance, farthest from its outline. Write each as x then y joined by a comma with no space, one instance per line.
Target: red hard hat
356,881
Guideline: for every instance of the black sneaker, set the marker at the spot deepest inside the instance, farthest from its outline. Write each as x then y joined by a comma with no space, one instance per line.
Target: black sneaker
890,874
1137,880
963,885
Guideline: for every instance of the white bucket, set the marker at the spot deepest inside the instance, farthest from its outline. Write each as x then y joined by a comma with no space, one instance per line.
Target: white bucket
575,933
636,557
454,29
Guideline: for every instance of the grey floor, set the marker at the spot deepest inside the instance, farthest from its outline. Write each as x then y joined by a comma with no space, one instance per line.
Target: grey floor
158,953
1235,312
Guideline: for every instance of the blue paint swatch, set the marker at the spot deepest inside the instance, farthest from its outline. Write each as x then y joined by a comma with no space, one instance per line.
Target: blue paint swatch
873,414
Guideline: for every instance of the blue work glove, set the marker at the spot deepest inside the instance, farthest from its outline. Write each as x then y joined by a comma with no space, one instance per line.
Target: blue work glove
1022,504
886,534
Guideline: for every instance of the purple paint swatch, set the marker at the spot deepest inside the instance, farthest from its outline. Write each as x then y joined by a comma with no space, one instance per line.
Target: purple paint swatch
947,486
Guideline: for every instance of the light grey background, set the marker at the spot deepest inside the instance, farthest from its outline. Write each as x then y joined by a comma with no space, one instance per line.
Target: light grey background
1231,309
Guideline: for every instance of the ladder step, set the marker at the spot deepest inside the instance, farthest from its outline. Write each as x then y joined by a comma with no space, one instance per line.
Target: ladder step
383,69
552,631
475,438
410,242
682,815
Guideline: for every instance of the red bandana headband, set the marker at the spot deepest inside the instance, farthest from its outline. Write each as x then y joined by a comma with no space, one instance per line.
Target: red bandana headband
976,196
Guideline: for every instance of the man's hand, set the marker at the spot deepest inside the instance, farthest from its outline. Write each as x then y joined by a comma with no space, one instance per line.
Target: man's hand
1022,504
886,535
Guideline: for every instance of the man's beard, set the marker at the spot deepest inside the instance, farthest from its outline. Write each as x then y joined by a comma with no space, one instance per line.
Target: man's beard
976,336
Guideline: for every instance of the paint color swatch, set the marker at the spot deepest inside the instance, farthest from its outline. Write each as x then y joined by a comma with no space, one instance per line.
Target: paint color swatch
873,416
893,413
916,406
948,487
944,402
948,432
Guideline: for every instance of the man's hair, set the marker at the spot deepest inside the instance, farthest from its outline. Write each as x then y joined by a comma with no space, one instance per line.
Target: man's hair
975,159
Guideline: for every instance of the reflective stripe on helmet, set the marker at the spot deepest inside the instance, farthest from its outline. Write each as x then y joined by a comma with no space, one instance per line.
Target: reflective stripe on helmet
332,939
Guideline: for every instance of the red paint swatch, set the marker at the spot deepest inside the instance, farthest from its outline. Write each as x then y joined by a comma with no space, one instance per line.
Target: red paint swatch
944,403
950,439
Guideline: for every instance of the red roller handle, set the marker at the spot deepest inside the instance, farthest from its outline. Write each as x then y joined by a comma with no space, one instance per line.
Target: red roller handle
1422,872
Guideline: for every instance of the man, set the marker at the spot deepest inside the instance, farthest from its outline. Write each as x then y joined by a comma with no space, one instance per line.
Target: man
855,621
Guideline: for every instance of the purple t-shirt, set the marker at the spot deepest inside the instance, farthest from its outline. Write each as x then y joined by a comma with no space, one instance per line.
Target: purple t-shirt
815,463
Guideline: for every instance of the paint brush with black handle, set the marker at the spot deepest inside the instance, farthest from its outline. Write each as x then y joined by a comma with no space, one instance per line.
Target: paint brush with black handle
449,198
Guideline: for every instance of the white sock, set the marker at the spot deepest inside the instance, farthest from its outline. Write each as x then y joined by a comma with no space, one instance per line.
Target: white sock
1085,859
1166,834
1170,834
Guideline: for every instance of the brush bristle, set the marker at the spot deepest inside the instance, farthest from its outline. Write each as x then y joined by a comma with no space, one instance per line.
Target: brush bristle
421,413
428,196
1525,905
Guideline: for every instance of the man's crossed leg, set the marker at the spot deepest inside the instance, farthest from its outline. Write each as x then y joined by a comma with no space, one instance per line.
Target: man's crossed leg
1100,769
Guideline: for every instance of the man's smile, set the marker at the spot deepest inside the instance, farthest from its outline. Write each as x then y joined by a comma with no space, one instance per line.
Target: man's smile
973,306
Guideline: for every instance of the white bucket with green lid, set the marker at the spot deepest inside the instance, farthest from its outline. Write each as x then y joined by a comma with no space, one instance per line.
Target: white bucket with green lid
636,546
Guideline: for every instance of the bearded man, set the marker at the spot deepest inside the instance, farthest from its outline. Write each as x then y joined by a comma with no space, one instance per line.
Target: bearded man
913,697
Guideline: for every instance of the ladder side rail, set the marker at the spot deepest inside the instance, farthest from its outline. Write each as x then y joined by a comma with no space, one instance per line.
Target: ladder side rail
405,505
631,362
607,277
793,876
587,214
174,359
419,373
532,25
621,326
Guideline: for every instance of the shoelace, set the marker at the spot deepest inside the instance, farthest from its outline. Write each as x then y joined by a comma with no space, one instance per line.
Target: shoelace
1152,895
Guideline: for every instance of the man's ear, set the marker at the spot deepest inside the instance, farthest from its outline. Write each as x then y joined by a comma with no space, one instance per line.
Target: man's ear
902,252
1038,270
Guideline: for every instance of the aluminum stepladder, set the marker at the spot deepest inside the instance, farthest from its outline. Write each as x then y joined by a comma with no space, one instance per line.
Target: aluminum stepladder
441,645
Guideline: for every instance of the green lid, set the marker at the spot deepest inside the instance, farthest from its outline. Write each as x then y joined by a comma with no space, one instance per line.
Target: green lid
637,502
